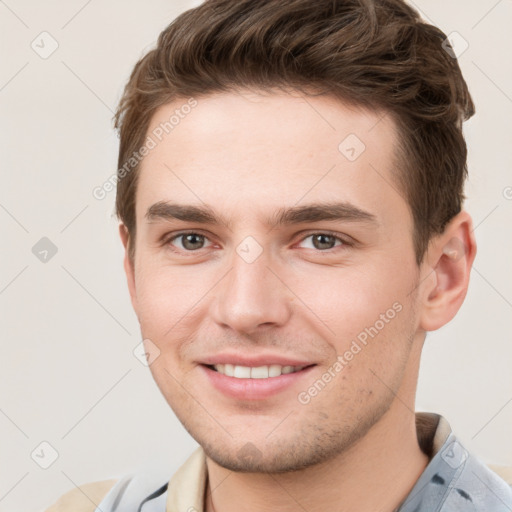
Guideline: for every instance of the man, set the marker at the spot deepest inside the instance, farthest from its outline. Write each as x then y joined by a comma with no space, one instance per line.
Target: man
290,191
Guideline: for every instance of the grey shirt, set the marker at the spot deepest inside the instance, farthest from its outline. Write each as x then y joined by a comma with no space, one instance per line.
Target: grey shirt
455,480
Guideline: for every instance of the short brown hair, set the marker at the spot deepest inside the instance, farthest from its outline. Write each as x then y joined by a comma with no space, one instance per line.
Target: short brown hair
377,54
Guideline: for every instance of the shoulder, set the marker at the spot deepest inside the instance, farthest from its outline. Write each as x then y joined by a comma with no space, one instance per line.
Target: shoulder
84,498
126,493
484,488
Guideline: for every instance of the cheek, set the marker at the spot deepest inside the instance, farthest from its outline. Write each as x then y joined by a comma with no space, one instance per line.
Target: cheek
347,301
172,302
162,298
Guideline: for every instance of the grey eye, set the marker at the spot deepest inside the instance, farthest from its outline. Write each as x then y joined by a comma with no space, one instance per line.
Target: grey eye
322,241
191,241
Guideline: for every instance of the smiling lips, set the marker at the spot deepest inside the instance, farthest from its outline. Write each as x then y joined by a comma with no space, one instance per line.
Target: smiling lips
253,379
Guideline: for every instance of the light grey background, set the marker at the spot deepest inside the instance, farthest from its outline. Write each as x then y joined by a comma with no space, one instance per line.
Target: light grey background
68,375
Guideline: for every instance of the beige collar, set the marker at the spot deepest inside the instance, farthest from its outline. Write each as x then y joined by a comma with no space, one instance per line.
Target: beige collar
187,487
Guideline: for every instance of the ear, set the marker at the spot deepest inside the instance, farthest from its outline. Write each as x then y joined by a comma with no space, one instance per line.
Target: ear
128,265
447,266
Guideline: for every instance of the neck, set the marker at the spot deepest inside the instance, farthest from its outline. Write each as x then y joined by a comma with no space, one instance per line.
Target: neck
375,474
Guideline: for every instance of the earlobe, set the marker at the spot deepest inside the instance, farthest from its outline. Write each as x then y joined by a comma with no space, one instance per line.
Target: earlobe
450,258
128,264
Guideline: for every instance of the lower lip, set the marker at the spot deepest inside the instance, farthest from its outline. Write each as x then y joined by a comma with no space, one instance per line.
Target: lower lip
253,389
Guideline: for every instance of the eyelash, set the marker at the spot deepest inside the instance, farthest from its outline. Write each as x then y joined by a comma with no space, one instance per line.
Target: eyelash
344,242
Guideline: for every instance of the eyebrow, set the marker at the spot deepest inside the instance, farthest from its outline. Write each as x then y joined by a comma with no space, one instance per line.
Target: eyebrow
315,212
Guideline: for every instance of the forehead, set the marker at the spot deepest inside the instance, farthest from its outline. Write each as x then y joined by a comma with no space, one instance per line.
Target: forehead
252,151
285,121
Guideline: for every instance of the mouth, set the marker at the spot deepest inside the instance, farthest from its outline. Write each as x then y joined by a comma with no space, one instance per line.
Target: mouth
255,372
256,382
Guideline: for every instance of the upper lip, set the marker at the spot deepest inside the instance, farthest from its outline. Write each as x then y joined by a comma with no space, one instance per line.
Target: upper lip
254,361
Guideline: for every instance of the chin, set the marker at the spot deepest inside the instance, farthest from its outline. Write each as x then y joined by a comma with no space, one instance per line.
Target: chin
250,459
281,455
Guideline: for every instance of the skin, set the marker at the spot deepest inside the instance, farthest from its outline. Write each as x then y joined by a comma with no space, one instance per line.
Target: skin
246,155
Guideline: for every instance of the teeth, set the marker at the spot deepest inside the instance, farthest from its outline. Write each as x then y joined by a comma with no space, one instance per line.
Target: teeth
242,372
274,370
258,372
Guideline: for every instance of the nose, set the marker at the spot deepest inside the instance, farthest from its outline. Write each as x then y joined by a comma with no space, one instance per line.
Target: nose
251,297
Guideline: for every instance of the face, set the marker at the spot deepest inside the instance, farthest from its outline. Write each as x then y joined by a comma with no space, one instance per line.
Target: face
274,276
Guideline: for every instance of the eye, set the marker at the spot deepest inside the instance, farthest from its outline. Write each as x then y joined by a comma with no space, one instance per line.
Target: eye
189,241
324,241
